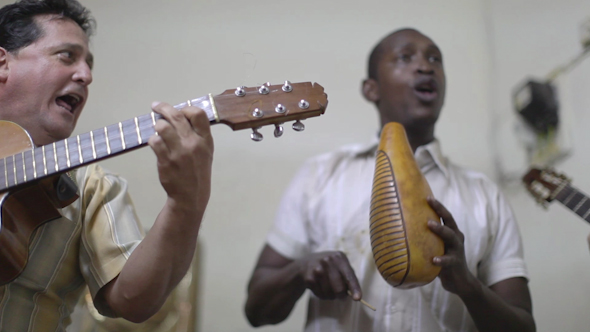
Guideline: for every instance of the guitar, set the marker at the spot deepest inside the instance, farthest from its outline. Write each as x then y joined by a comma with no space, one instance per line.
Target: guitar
546,185
33,184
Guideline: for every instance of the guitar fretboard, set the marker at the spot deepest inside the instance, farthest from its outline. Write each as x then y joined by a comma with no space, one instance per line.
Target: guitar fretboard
86,148
576,201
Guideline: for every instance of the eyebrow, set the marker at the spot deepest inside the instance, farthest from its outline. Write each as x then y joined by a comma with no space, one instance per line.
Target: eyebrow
433,47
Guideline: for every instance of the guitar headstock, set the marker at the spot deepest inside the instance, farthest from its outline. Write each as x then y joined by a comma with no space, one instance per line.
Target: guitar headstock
254,107
544,184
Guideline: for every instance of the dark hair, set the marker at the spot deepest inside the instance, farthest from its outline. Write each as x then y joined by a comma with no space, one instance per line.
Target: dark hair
18,27
377,53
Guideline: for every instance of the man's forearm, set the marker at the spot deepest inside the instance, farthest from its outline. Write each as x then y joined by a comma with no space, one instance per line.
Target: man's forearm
272,294
491,313
157,265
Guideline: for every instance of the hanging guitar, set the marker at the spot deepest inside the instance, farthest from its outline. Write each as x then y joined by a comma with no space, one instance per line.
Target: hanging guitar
546,185
33,184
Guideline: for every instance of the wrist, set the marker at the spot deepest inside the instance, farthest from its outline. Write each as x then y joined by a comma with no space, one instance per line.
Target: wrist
189,203
298,270
183,213
298,267
471,289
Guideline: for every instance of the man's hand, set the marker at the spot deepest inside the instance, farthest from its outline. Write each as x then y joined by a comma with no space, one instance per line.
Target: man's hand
329,275
184,148
455,275
278,282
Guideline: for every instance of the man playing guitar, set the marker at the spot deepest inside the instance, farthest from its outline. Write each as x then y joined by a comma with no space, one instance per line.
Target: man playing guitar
45,72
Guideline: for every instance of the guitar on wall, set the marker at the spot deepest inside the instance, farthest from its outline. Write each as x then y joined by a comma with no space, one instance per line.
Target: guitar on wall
546,185
33,184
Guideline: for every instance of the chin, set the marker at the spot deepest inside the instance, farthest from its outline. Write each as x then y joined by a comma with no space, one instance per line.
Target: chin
427,113
425,118
422,122
59,134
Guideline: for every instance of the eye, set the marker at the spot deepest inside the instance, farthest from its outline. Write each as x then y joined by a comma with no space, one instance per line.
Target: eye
405,57
434,58
66,56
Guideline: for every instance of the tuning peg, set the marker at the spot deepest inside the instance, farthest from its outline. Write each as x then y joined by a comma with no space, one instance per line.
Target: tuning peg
280,109
263,90
257,113
256,136
278,130
240,91
303,104
298,126
287,87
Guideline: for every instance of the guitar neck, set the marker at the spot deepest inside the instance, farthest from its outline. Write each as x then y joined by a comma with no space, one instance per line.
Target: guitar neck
87,148
575,200
242,108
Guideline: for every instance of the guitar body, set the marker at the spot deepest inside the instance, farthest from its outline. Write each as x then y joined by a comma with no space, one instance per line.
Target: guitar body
22,211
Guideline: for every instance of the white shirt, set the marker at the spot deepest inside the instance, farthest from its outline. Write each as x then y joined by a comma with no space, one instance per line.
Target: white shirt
326,207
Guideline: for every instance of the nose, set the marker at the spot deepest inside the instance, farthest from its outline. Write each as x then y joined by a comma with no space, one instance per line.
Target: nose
424,66
83,74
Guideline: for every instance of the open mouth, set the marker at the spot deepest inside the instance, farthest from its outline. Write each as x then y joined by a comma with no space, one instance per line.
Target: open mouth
426,90
69,101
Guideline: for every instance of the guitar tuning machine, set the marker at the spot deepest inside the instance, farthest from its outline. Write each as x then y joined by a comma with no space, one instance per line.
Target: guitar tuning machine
240,91
298,126
256,136
257,113
280,109
287,87
303,104
263,89
278,130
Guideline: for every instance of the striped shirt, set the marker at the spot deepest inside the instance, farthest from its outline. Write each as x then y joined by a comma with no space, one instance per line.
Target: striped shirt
326,207
87,246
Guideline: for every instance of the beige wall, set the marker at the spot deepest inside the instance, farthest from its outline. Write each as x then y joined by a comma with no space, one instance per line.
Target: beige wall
530,39
149,50
170,51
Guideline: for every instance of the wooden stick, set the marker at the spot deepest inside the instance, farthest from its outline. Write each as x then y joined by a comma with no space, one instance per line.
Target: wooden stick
364,302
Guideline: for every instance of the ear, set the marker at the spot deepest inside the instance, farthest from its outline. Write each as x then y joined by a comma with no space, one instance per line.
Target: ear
371,90
3,65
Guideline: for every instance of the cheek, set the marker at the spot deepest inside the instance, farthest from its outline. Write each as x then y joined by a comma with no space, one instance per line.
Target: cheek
400,78
38,89
396,90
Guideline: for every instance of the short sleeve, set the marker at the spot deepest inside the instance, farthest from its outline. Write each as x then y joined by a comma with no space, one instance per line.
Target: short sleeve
111,229
505,259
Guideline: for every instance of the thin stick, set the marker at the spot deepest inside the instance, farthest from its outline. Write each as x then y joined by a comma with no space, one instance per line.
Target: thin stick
364,302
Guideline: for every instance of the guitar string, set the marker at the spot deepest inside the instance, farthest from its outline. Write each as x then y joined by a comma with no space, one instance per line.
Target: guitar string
91,141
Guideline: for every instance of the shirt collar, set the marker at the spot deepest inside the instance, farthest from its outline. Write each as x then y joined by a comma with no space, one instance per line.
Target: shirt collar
426,156
429,155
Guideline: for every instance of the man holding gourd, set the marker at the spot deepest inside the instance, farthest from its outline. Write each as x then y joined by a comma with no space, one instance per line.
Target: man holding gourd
320,240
